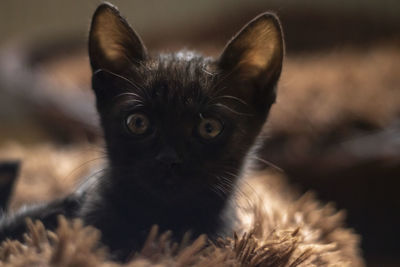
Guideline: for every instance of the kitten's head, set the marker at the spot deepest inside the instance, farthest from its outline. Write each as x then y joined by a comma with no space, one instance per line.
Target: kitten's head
178,126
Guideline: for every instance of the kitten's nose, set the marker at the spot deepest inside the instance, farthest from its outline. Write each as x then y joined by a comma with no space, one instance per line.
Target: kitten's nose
169,158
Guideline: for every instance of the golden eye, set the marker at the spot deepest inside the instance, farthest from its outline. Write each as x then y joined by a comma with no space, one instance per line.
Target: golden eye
137,123
209,128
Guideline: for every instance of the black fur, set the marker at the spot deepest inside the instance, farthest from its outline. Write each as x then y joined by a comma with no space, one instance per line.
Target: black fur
8,176
170,176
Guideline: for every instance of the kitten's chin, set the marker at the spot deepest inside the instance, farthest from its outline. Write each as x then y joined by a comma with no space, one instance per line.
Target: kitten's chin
172,191
171,188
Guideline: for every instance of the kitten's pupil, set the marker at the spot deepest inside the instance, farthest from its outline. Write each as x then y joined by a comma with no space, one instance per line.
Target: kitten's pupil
137,123
209,128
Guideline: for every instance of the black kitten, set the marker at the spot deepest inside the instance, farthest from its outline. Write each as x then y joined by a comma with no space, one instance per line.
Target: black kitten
177,128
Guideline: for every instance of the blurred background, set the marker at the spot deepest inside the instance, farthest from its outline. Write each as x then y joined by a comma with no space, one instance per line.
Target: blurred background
335,128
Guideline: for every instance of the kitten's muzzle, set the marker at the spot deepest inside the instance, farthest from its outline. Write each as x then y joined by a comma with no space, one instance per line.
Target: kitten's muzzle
169,159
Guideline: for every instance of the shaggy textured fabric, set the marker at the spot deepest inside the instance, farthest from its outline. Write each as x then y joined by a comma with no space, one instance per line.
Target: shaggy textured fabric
276,227
49,171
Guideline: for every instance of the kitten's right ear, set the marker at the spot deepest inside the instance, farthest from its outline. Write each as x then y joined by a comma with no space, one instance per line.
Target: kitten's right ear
253,61
113,45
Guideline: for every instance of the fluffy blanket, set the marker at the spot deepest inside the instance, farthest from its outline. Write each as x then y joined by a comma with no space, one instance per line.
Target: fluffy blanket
276,227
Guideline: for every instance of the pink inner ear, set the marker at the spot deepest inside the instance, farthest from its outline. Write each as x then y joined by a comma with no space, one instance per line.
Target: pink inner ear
110,35
261,45
113,45
256,50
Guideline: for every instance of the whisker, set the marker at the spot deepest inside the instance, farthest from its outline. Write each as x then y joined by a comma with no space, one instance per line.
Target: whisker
129,94
207,72
217,192
232,98
268,163
142,90
216,90
228,182
232,110
82,165
123,78
90,181
221,79
241,192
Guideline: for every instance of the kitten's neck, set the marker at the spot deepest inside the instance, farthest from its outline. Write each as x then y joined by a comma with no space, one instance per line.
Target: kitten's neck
117,203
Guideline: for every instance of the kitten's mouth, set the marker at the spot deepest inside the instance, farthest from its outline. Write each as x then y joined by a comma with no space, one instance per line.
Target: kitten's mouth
169,180
173,186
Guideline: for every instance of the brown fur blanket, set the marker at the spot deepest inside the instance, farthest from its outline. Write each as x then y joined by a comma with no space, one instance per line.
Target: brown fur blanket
276,227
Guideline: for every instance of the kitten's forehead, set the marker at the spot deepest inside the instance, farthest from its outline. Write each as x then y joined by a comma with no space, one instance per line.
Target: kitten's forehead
179,76
181,67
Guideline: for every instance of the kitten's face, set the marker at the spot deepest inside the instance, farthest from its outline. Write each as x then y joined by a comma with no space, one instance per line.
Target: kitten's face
178,126
172,131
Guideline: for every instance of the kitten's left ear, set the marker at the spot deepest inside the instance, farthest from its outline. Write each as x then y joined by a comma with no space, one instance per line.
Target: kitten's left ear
254,58
113,45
